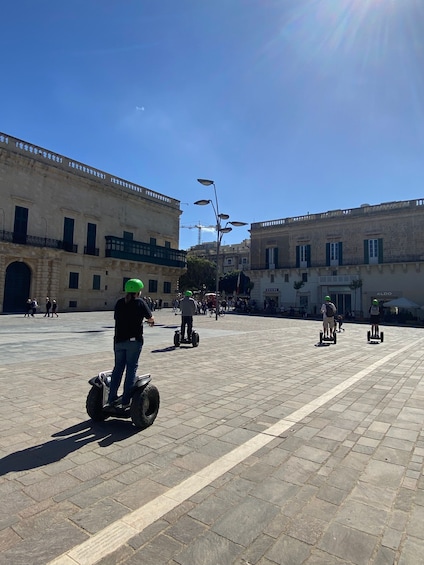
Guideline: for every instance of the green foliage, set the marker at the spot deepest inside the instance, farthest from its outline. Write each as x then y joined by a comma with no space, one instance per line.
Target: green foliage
297,285
200,273
356,283
228,283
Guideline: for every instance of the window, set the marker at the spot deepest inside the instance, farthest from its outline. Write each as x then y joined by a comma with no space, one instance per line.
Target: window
73,304
96,282
286,278
303,256
152,241
68,234
91,240
305,277
271,258
124,280
229,261
73,280
166,287
244,261
373,251
20,226
271,279
334,252
128,235
168,244
153,285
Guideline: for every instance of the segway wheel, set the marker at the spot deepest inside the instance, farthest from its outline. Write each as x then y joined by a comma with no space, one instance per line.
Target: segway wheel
194,339
94,404
145,406
334,338
177,339
321,336
368,335
381,337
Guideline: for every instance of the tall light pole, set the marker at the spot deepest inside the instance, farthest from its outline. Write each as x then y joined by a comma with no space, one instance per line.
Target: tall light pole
219,232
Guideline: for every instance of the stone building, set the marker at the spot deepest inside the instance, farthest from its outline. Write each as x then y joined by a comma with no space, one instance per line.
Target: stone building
234,257
76,234
353,255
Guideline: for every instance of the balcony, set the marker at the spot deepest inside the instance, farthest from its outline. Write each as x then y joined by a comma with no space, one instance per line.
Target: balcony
91,251
120,248
24,239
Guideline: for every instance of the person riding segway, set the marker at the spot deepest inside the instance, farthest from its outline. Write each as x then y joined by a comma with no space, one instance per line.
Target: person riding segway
375,313
188,310
140,399
328,310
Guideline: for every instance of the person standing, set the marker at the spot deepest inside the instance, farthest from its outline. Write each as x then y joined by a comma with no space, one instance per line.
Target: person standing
48,307
188,310
34,306
54,309
129,314
328,310
28,308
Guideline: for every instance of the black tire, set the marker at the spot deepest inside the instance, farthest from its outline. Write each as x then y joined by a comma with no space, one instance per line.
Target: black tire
145,406
334,337
381,337
368,335
94,404
195,339
321,336
177,339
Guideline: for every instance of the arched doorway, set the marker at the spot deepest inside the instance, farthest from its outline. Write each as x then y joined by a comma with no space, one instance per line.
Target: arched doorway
16,287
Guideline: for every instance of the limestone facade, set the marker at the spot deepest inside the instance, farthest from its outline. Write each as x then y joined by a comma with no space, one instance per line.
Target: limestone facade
75,233
353,255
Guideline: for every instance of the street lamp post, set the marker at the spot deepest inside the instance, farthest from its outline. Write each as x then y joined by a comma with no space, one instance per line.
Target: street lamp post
219,232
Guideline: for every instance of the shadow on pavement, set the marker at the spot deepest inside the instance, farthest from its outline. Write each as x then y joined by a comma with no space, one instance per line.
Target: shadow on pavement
77,436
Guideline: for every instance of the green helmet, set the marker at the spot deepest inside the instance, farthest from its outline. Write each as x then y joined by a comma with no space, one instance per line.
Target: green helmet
188,293
375,302
133,285
327,298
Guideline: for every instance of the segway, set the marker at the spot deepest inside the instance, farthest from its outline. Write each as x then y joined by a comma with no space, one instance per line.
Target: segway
143,409
194,341
328,340
375,338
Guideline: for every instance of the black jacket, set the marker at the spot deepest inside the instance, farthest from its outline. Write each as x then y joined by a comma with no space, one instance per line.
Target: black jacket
129,318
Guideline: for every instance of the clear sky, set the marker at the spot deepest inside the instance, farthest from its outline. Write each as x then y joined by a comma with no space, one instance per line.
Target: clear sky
290,106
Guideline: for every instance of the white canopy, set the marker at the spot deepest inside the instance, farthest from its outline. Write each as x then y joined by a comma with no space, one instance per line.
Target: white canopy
402,303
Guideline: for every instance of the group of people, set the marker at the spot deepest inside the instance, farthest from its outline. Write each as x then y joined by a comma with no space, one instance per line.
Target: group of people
130,312
331,319
32,305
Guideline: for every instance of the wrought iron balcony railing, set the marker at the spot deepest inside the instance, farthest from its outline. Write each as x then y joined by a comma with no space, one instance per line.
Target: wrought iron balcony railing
25,239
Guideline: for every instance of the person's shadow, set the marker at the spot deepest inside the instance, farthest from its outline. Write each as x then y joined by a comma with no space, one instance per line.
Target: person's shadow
65,442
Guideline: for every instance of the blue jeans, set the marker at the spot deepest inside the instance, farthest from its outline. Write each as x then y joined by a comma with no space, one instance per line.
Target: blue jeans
127,354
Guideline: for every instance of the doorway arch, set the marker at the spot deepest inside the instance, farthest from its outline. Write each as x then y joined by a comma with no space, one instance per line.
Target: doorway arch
16,287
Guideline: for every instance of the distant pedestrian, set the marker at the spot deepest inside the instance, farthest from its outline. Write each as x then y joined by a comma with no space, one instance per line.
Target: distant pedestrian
54,309
48,307
28,308
34,306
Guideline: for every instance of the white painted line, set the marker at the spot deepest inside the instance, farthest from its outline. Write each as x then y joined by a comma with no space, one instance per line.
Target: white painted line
115,535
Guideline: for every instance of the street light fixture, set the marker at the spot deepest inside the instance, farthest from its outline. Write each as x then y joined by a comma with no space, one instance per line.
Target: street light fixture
219,232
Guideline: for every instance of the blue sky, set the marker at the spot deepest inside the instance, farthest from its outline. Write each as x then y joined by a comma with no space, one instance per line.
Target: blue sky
290,106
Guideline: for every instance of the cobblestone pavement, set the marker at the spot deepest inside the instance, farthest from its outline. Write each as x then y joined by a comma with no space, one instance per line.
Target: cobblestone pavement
268,449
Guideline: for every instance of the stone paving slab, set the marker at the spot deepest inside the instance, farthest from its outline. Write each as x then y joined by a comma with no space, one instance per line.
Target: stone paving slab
267,449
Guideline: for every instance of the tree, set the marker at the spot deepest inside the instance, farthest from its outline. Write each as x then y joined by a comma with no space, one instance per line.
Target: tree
229,282
297,285
200,273
355,285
